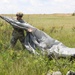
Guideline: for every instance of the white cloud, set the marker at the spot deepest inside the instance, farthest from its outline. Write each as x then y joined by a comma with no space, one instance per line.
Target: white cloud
37,2
37,6
60,0
6,1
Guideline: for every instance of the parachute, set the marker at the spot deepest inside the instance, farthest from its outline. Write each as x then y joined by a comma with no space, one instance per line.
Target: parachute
42,41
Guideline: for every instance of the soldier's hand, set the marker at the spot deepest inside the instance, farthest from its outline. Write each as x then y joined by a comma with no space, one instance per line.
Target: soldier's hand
30,30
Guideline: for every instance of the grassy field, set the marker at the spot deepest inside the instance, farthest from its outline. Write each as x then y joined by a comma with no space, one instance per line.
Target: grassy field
20,62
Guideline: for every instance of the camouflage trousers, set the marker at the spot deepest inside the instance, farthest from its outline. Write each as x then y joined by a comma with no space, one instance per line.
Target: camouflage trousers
17,36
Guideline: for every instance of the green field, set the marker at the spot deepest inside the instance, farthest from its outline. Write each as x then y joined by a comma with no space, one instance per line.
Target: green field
20,62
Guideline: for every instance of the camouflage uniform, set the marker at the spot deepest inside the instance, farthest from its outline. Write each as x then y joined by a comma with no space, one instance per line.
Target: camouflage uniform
17,34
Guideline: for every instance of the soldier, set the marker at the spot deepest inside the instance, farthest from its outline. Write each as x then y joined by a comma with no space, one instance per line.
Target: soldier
18,34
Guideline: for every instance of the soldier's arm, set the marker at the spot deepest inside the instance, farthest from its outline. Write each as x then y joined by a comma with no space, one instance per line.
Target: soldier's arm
26,26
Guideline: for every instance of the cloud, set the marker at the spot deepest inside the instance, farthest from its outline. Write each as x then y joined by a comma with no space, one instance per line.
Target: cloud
60,0
37,2
6,1
37,6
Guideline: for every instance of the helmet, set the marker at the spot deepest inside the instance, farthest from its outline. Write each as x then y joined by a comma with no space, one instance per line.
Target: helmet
20,14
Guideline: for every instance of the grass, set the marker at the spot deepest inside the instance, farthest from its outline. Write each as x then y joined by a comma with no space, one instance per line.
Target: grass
20,62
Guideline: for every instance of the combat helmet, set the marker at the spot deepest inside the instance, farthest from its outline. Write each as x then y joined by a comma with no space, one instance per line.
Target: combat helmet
20,14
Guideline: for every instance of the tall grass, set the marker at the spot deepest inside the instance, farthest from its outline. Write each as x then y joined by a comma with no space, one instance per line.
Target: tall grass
20,62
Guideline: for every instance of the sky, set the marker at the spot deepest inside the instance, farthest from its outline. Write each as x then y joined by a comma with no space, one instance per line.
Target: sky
37,6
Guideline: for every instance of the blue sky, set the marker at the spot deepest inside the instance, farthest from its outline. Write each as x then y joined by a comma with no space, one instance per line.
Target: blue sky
37,6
